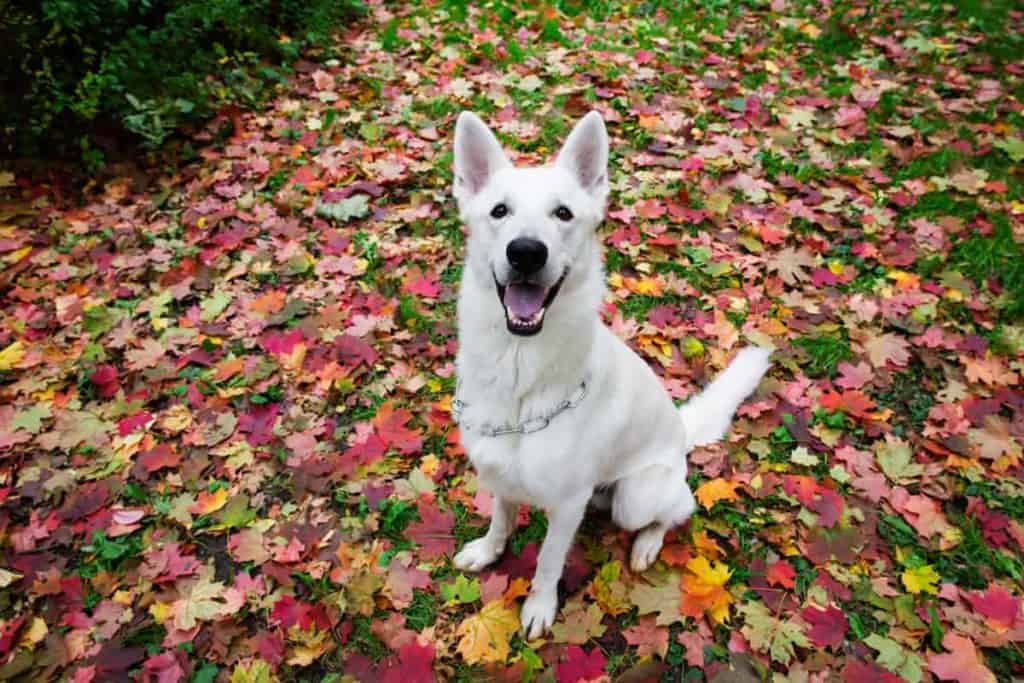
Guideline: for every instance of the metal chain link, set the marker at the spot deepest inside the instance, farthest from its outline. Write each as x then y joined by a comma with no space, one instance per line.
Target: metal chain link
534,424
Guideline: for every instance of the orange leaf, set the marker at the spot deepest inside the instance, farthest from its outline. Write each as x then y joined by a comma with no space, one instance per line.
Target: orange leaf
207,502
710,492
704,592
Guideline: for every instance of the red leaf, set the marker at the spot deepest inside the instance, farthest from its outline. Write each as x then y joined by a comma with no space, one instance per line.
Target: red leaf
414,664
368,452
425,286
106,381
828,626
433,533
580,666
828,506
289,612
130,424
781,573
853,376
353,350
390,424
961,664
857,671
854,402
258,423
270,646
163,455
999,606
282,342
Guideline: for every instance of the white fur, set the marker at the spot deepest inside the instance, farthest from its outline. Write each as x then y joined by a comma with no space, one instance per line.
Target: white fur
626,436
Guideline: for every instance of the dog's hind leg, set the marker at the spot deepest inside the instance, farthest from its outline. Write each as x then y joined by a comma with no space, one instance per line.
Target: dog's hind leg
651,501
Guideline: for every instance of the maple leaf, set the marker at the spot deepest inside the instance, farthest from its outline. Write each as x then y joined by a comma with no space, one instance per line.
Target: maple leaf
710,492
791,265
961,663
433,531
580,666
609,590
461,590
199,601
390,424
694,643
887,348
648,637
704,590
1000,608
579,623
11,355
484,637
923,579
781,573
414,664
662,598
895,658
894,458
146,357
828,626
767,633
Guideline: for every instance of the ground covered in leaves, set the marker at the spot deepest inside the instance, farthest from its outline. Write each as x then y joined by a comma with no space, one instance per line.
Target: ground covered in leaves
226,450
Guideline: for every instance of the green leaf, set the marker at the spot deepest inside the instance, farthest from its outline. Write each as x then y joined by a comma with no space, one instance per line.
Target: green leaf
1014,148
356,206
461,591
213,305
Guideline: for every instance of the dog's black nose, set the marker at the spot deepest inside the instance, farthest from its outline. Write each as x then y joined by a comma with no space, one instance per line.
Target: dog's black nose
527,255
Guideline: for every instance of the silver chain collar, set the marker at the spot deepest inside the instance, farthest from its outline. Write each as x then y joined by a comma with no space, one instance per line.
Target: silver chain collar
534,424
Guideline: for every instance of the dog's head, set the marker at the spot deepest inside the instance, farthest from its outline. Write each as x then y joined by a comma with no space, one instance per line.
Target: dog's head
530,227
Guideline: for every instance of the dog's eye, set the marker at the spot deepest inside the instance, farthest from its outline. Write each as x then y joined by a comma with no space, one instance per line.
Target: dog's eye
563,213
499,211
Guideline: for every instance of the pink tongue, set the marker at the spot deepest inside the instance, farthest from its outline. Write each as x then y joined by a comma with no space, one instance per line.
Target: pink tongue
523,300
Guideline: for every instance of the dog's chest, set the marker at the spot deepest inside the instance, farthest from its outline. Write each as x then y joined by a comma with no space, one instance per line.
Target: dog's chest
519,468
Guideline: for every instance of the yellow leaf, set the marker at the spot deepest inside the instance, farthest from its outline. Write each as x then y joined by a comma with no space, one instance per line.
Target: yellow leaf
310,645
707,546
177,418
484,637
12,355
710,492
160,611
17,255
921,580
704,590
36,631
256,671
209,502
8,577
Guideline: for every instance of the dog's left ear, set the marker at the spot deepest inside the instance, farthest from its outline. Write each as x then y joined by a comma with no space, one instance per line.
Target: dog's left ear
585,154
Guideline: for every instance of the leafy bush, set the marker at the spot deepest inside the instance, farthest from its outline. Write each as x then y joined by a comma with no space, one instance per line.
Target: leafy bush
72,70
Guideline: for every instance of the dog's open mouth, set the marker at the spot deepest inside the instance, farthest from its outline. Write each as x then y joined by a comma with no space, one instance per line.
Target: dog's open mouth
525,304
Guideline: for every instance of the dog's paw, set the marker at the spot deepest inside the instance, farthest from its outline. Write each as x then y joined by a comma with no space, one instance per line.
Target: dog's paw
646,548
476,555
538,614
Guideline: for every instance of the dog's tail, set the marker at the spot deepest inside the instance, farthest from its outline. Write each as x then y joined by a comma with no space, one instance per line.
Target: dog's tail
708,414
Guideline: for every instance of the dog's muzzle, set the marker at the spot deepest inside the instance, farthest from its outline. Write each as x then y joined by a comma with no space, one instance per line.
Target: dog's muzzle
525,303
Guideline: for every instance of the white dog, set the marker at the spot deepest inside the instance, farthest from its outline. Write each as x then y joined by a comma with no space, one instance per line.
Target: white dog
554,410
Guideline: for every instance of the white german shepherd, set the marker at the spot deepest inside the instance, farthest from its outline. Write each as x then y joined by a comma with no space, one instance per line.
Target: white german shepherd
556,411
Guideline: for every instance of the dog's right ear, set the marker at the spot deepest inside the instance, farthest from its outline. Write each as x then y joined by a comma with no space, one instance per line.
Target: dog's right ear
478,155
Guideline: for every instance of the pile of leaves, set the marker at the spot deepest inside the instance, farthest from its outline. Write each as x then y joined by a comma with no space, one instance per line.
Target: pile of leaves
226,447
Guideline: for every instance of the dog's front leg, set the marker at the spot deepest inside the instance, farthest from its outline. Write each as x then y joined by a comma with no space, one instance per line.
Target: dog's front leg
541,605
479,553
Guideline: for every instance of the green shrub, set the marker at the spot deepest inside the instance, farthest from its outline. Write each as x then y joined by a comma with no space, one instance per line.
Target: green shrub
73,70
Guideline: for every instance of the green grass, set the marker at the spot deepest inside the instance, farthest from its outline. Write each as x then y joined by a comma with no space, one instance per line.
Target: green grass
823,354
